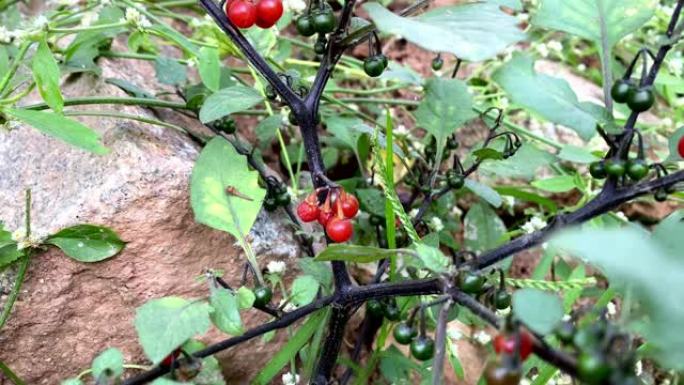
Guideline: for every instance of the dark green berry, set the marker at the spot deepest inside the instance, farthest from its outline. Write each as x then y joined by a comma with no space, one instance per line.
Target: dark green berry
598,170
392,312
375,308
262,296
502,299
404,334
305,26
565,332
452,143
640,99
455,180
423,348
471,282
374,66
437,63
320,46
615,167
324,21
621,89
637,169
270,203
226,125
660,195
283,199
593,368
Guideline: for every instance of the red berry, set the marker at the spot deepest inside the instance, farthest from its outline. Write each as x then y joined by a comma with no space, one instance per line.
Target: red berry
339,230
680,146
242,13
350,206
268,12
324,217
506,343
168,360
307,212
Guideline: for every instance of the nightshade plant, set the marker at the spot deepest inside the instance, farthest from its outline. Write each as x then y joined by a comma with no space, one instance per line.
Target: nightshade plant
406,191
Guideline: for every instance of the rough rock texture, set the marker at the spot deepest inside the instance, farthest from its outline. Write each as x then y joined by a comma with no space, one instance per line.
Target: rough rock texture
68,311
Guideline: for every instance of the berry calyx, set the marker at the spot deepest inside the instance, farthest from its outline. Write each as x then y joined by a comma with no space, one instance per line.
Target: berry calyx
598,170
307,212
621,89
423,348
242,13
637,169
304,25
339,230
262,296
505,343
640,99
404,334
268,12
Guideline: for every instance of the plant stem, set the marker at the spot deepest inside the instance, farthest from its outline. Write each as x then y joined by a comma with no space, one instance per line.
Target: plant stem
10,374
146,102
92,28
16,62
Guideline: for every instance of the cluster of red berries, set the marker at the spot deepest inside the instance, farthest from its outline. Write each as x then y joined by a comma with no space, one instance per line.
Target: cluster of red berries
246,13
505,344
334,214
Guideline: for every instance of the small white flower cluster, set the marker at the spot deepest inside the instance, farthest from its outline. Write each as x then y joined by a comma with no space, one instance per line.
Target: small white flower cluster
553,46
482,337
136,19
436,224
19,236
290,378
289,307
535,223
276,267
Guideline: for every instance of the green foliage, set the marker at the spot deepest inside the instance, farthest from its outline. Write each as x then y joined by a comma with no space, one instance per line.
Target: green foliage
109,363
304,290
218,167
46,75
210,68
356,253
227,101
226,311
87,243
8,248
540,311
61,128
472,32
164,324
646,267
483,228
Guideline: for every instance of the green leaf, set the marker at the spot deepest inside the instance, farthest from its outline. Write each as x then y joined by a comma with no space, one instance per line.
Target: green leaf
304,290
484,229
46,75
649,269
228,101
170,71
487,153
130,88
454,361
372,201
8,248
288,352
522,165
172,35
539,310
576,154
589,18
433,259
87,243
485,192
245,298
4,61
447,105
70,131
210,68
514,192
356,253
267,128
557,184
550,97
109,363
218,167
472,32
319,270
669,232
226,311
164,324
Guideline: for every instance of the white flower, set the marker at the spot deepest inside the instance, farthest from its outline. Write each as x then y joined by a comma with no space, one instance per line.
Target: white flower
612,310
456,211
621,216
543,50
482,337
638,368
436,224
503,312
40,22
581,67
455,334
401,130
294,5
276,267
535,223
290,379
136,19
5,35
555,45
508,201
413,213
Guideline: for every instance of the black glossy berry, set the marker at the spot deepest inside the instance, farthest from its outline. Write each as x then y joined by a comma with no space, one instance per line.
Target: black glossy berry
423,348
262,296
404,334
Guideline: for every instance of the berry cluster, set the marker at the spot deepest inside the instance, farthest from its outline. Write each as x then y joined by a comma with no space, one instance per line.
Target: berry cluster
246,13
321,20
334,214
638,97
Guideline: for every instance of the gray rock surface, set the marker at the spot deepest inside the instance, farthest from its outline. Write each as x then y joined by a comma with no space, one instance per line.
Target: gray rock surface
68,311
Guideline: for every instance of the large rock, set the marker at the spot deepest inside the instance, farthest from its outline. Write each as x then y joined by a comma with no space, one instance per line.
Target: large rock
69,311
